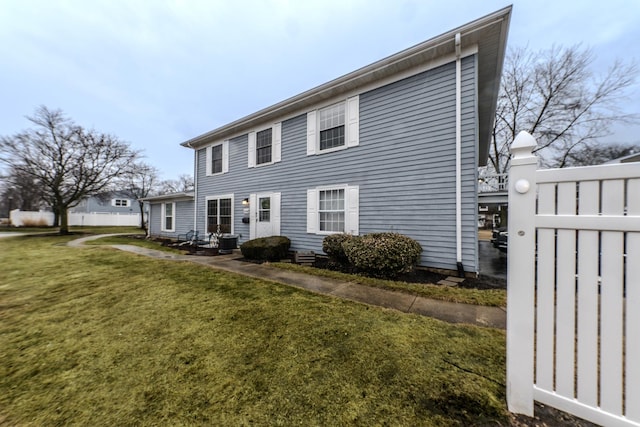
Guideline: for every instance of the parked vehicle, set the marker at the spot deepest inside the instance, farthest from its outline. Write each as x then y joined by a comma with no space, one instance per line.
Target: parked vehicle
499,238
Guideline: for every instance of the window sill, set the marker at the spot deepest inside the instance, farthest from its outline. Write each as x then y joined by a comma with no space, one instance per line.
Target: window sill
264,164
331,150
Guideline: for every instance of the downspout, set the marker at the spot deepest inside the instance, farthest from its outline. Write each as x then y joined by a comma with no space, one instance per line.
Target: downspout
195,186
458,159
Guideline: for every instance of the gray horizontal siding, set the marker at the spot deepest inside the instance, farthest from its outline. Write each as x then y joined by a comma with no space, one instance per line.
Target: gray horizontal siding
404,165
96,204
184,219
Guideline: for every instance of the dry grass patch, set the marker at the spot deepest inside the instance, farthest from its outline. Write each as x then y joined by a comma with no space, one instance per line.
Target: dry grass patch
100,337
488,297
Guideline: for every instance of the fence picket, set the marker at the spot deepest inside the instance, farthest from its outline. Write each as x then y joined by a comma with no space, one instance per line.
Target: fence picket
632,336
587,292
20,218
565,289
545,301
588,297
611,301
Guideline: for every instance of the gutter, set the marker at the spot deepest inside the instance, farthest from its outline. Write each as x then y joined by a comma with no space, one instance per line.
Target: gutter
391,65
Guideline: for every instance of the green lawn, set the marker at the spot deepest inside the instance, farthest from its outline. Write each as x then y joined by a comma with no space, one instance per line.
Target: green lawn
95,336
489,297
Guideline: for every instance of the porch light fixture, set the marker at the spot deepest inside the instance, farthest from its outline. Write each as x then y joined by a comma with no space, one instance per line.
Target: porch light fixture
245,202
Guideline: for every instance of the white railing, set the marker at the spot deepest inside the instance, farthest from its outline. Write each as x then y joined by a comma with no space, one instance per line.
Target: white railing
573,282
43,218
493,183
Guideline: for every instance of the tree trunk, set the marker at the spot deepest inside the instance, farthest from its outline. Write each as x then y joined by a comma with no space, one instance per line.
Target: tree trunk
142,223
56,216
64,221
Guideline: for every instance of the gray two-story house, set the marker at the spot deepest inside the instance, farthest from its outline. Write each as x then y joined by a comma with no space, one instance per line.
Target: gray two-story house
111,203
393,146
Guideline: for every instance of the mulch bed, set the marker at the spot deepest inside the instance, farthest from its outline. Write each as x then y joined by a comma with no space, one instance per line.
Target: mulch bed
421,275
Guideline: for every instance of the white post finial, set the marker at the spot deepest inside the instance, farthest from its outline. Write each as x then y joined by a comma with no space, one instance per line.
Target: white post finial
522,147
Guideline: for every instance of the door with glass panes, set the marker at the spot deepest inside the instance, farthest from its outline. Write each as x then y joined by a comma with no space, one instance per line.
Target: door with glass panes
264,214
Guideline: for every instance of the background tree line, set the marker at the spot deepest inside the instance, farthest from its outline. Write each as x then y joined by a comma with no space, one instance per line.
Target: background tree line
555,96
552,94
57,164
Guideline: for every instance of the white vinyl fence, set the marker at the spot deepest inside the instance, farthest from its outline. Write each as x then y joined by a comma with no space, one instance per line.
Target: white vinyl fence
573,281
24,218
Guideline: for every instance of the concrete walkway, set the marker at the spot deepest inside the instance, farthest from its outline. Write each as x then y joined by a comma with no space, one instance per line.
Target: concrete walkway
493,317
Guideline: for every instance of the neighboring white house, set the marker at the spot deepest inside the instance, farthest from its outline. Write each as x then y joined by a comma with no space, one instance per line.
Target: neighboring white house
635,157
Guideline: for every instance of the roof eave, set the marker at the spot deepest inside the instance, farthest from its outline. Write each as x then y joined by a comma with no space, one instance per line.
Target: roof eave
489,32
189,195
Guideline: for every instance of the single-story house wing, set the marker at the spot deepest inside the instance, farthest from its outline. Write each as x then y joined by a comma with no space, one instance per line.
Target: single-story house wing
170,215
391,147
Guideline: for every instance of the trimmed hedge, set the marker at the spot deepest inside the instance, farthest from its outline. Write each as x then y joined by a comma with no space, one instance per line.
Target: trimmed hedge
332,246
271,248
383,254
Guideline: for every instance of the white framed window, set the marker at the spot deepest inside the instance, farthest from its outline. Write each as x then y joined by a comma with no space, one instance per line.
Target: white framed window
335,127
333,209
331,127
219,212
265,146
120,203
168,217
218,158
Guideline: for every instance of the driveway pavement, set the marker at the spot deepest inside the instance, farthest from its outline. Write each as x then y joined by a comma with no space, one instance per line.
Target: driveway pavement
493,263
10,234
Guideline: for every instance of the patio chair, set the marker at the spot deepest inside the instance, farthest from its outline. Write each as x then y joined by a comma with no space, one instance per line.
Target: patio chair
190,237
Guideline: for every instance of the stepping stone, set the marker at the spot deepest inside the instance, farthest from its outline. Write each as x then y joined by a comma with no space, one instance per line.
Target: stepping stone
446,282
455,279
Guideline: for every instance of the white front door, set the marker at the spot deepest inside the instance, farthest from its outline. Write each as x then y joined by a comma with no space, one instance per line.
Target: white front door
264,214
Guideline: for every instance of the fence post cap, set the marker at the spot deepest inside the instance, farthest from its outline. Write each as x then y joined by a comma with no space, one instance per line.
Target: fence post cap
523,145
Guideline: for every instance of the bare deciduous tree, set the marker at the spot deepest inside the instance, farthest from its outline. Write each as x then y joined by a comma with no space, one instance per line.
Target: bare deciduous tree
597,154
140,181
182,184
555,97
69,162
23,190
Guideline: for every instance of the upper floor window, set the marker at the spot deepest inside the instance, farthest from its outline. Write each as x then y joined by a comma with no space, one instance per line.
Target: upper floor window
218,158
121,203
334,127
265,146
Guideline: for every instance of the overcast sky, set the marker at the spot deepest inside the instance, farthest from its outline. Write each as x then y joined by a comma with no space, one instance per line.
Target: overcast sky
156,73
